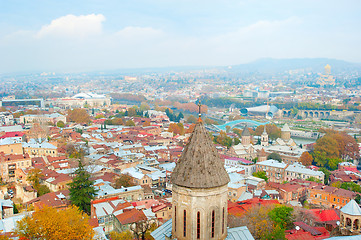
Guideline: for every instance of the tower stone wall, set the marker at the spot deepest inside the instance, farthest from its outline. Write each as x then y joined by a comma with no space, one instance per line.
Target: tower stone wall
199,205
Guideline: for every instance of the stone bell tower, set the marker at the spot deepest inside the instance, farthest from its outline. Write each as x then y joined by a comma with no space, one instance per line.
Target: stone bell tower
199,190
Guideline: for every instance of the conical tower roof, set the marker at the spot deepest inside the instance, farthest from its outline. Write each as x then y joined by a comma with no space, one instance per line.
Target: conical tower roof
245,132
351,208
285,128
200,165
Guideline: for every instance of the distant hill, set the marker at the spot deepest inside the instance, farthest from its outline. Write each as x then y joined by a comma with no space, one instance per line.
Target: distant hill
270,65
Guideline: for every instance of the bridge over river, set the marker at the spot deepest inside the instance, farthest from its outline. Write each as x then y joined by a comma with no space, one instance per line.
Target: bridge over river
234,123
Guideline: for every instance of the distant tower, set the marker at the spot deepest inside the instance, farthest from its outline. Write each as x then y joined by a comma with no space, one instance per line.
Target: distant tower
246,136
327,70
286,132
200,186
262,155
264,137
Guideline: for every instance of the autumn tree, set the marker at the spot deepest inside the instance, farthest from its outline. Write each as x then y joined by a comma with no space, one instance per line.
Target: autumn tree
237,131
124,180
191,119
260,224
50,223
146,123
190,128
223,139
82,189
306,159
273,131
209,121
124,235
130,123
176,128
78,115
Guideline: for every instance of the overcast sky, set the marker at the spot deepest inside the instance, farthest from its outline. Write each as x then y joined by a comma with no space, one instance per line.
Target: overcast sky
86,35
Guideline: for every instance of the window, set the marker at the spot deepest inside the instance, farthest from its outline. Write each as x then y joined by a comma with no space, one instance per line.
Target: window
184,223
223,221
198,225
338,200
213,218
334,199
175,219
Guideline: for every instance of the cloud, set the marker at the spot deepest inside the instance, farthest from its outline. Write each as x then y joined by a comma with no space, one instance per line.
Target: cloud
139,32
73,26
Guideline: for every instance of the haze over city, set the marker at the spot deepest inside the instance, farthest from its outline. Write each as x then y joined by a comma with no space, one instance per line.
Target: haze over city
68,36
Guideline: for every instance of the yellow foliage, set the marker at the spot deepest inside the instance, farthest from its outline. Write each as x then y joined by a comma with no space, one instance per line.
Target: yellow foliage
52,224
126,235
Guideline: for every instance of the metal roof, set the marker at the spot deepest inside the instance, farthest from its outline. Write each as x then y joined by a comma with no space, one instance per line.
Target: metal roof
351,208
239,233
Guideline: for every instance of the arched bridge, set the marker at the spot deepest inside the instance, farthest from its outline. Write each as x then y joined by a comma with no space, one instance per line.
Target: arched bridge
234,123
317,114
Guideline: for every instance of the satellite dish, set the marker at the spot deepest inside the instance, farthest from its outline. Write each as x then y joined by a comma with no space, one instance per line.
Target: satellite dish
297,228
338,223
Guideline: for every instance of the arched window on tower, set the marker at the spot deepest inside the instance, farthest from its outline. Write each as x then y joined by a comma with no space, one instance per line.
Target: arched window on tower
175,219
184,223
223,221
213,219
198,225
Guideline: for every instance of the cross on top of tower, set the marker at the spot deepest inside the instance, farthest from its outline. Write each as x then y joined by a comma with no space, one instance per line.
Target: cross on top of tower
199,109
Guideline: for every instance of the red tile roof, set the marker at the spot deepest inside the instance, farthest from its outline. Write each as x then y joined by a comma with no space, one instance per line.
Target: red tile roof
131,216
325,215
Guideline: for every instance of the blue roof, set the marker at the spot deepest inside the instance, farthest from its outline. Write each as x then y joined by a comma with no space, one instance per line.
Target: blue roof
163,231
239,233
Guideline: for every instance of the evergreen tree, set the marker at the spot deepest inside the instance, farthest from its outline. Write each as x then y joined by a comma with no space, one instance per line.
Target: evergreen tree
82,189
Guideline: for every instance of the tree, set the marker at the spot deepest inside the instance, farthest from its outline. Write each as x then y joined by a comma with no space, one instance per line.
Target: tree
326,172
131,112
313,179
124,180
261,174
351,186
260,225
333,163
60,124
358,198
124,235
306,159
146,123
176,128
273,131
78,115
34,176
82,189
275,156
191,119
130,123
50,223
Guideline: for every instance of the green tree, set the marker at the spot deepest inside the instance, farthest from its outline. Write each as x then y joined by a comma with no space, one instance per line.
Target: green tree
313,179
333,163
351,186
358,198
261,174
282,216
60,124
82,189
275,156
326,172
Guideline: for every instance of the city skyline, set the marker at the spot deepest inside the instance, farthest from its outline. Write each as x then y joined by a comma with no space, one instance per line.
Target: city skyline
97,35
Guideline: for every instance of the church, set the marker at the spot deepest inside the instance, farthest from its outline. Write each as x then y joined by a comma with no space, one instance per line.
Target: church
199,199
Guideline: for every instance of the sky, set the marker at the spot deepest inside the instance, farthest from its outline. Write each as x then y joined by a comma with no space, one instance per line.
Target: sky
96,35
